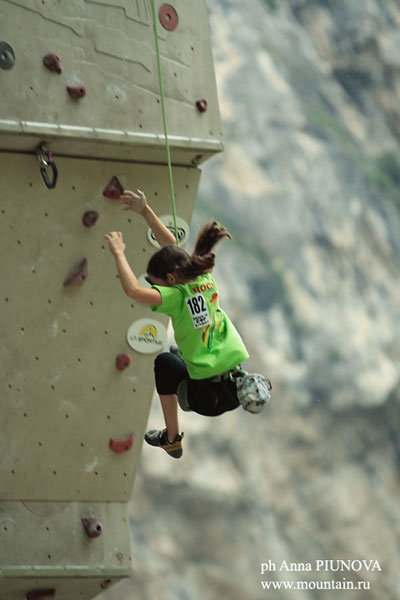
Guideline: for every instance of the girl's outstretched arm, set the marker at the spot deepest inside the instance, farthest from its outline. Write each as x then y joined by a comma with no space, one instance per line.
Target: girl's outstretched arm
137,202
128,279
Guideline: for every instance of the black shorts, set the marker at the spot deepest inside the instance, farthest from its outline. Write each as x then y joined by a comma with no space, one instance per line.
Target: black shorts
205,397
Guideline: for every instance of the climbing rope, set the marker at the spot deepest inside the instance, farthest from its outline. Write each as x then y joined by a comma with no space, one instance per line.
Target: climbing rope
164,116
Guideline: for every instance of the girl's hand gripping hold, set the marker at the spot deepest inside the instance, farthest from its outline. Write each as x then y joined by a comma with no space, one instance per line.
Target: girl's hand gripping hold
133,201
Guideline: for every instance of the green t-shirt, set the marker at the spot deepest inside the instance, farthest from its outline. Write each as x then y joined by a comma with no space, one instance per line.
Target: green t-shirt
208,341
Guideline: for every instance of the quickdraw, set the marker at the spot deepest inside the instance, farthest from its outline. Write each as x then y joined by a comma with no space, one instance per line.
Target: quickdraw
45,159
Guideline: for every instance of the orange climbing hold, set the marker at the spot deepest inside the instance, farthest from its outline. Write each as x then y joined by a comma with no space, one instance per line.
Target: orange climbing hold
121,446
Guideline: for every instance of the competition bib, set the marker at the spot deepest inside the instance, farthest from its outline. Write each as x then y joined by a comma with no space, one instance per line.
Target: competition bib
198,310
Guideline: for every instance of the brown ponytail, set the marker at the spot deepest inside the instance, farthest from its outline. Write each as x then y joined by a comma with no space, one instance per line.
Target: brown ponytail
203,259
208,237
173,259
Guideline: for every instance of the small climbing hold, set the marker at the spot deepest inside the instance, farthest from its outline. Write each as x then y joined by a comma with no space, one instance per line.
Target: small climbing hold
90,218
168,17
113,189
93,527
79,275
122,362
7,56
52,61
201,105
43,594
76,92
121,446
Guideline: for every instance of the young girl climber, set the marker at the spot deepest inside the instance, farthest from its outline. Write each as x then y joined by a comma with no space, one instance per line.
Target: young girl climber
210,348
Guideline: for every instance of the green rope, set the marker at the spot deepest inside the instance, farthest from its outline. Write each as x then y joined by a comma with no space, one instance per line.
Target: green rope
164,115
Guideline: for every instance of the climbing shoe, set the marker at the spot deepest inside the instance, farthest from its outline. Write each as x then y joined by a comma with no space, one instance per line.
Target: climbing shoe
159,438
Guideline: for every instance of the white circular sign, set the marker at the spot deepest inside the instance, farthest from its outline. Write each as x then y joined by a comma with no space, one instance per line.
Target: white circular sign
147,336
182,229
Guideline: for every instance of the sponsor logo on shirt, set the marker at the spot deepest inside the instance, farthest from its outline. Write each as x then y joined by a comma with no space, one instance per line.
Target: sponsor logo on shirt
197,289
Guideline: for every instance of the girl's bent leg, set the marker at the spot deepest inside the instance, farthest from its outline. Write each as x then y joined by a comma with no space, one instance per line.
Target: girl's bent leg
169,370
169,405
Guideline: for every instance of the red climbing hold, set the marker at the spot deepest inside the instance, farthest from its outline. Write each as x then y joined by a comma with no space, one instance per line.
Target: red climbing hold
93,527
122,361
168,17
113,189
121,446
201,105
76,92
79,274
52,62
90,218
44,594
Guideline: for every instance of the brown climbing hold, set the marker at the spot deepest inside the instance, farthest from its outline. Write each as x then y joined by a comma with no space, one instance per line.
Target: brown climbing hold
43,594
113,189
76,92
121,446
93,527
90,218
79,275
122,361
201,105
52,61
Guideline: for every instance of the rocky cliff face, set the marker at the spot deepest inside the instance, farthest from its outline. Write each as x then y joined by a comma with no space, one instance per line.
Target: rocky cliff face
309,187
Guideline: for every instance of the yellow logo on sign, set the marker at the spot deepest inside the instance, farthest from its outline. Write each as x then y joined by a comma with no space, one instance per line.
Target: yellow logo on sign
147,336
148,331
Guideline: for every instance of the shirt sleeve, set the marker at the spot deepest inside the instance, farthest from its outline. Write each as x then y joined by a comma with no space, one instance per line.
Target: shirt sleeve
171,299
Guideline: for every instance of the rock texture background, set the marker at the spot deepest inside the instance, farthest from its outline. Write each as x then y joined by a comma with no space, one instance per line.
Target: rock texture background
309,187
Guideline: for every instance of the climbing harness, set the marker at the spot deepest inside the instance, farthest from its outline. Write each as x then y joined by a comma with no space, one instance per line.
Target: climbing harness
45,159
164,115
252,389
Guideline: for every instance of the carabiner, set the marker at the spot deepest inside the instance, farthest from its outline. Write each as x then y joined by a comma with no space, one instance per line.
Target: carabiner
45,159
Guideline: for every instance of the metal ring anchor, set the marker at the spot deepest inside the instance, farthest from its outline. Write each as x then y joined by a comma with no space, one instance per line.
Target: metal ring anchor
45,159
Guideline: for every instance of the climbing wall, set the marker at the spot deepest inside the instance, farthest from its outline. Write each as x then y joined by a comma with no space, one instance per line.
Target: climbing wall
65,394
81,119
99,94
